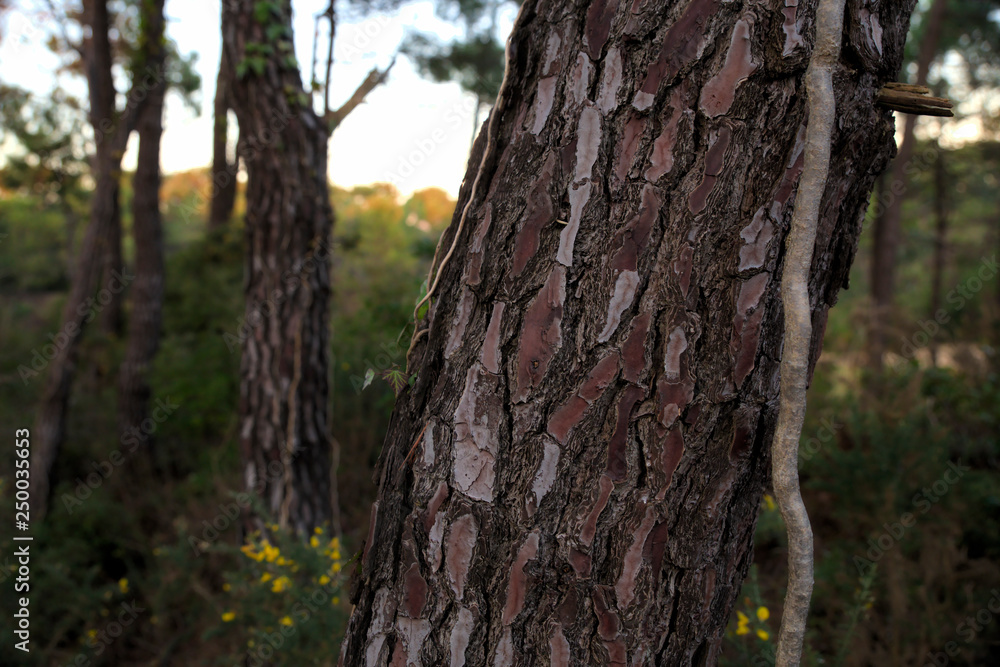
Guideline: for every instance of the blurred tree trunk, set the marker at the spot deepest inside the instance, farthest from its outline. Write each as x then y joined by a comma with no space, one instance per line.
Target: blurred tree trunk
113,265
888,224
284,389
940,238
85,302
597,377
147,290
223,171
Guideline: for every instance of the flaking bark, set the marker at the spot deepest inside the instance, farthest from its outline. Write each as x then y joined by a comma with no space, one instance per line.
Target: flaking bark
599,377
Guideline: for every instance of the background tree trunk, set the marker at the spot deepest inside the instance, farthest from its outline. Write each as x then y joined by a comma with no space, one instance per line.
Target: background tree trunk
223,172
82,305
599,380
284,389
887,225
147,290
940,239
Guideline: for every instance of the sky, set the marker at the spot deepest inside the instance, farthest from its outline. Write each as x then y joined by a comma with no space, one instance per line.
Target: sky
411,132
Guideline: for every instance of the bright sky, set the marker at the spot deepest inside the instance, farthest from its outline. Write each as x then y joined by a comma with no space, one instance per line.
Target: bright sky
410,131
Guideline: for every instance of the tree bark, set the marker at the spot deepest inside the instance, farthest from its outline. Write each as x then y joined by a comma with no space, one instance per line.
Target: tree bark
598,379
223,172
887,225
147,290
284,390
83,305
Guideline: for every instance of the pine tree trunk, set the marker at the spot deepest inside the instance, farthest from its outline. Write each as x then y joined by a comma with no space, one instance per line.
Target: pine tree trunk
887,225
147,290
284,390
599,378
223,172
85,303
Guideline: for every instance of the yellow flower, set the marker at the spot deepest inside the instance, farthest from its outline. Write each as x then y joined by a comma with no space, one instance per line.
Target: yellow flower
318,530
91,633
763,634
742,630
324,580
335,568
742,618
280,584
228,616
336,601
156,551
123,585
769,502
314,542
763,614
266,577
287,620
743,623
226,586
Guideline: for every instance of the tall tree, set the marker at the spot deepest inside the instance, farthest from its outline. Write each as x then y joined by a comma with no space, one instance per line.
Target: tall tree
147,289
284,391
284,385
111,130
93,290
577,468
887,224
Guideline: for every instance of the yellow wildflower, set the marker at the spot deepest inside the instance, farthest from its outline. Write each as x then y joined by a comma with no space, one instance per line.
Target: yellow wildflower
92,633
287,620
266,577
763,614
336,601
226,586
769,502
743,623
314,542
335,568
324,580
742,630
763,634
123,585
228,616
280,584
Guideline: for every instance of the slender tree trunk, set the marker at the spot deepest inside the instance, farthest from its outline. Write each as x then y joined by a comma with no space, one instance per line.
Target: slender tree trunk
85,302
110,318
284,391
940,239
597,377
223,172
887,225
147,291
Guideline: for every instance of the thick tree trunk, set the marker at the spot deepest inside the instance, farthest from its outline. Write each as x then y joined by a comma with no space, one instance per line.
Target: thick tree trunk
110,318
223,171
147,290
83,305
887,225
599,379
284,391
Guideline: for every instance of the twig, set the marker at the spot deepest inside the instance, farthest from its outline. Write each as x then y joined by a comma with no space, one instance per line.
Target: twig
413,449
331,14
372,81
798,328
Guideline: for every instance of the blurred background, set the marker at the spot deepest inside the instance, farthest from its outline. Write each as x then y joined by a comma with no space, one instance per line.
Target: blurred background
899,454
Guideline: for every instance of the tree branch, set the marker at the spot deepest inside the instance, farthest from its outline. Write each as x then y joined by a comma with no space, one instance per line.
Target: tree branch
798,328
331,14
372,81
